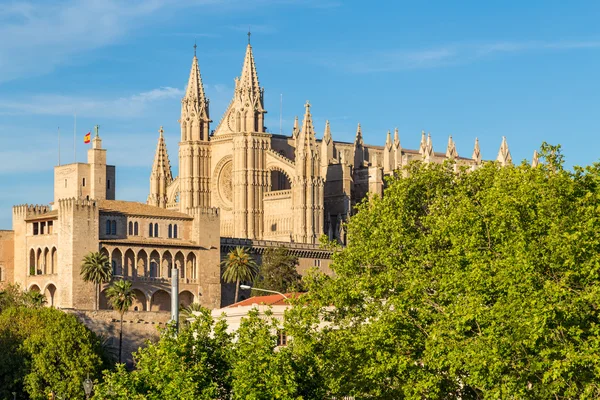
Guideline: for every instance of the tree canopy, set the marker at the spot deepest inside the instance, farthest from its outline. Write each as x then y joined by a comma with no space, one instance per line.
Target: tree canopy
478,284
278,271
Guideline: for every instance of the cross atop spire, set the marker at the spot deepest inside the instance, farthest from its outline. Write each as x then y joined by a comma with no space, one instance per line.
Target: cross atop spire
194,92
195,46
249,34
161,131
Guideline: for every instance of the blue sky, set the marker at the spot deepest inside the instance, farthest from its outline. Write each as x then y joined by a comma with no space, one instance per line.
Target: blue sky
524,70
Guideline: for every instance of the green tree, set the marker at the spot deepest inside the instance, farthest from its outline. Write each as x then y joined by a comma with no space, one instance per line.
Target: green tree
278,271
120,296
471,285
239,267
43,350
33,298
96,268
188,312
193,363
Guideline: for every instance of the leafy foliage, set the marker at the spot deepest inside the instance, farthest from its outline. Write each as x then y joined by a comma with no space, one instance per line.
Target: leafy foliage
480,284
278,271
96,268
239,267
45,350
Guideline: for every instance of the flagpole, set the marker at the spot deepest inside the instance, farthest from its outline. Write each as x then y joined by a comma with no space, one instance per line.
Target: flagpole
75,139
59,146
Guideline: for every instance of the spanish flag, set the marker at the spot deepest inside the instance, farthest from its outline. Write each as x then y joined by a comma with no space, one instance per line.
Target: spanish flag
87,137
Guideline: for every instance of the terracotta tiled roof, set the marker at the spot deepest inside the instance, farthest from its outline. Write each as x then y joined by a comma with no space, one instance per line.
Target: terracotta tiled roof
139,209
50,214
270,300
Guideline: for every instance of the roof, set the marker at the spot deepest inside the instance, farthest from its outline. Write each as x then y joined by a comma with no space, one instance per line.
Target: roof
139,209
52,214
270,300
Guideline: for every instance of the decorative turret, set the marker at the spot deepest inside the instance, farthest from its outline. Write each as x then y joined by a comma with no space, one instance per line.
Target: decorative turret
359,150
535,161
397,150
326,146
161,176
194,149
429,154
423,144
504,157
388,154
476,152
295,129
307,188
451,152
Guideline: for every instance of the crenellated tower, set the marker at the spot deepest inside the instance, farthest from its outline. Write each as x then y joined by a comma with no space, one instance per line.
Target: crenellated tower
194,148
307,188
161,176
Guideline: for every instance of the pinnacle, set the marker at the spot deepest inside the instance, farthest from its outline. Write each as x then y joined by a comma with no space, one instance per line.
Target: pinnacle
476,151
327,134
161,165
195,90
249,78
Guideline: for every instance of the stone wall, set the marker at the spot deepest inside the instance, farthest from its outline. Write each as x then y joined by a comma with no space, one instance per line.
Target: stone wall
7,248
138,327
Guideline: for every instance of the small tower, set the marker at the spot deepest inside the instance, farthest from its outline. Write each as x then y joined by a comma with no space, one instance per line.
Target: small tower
397,150
326,147
161,176
451,152
307,188
359,150
194,149
429,153
423,144
476,152
295,129
504,157
388,154
535,161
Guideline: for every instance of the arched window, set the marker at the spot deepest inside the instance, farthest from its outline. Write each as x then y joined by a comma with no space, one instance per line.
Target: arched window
155,230
130,228
114,267
150,230
1,274
113,227
135,229
108,227
170,231
175,231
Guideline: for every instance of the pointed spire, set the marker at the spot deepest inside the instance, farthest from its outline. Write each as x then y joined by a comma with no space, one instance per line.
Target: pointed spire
306,138
504,157
388,140
359,138
388,156
423,144
476,152
295,129
327,134
396,138
451,149
248,81
194,92
535,161
428,155
161,164
397,150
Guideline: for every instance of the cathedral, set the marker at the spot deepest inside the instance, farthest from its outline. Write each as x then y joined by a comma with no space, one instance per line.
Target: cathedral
275,187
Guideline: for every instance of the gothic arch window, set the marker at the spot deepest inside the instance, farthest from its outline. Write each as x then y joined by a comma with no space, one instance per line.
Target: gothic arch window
150,230
108,227
113,227
170,231
130,228
175,231
135,229
155,230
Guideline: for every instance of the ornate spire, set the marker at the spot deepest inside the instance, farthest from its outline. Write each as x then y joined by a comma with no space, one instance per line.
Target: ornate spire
476,152
397,150
327,134
504,157
248,80
451,149
359,138
295,129
194,92
161,176
388,155
535,161
306,138
423,145
388,140
429,154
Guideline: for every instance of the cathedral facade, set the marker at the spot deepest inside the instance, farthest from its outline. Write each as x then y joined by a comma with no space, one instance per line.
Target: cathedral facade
275,187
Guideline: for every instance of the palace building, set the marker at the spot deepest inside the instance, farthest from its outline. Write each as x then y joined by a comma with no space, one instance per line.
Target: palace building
238,185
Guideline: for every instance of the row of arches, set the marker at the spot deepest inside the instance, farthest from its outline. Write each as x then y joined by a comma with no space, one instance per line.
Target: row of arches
49,292
160,300
153,264
43,261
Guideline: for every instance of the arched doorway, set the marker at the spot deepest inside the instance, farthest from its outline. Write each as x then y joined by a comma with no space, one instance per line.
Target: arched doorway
139,302
167,264
161,301
154,264
34,288
190,266
142,264
128,268
117,262
50,294
54,263
186,298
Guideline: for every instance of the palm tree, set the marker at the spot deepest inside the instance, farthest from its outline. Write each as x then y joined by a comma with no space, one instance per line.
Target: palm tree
188,312
96,268
33,298
120,296
239,267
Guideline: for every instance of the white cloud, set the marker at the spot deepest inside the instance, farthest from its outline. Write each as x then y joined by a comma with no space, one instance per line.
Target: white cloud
452,54
121,107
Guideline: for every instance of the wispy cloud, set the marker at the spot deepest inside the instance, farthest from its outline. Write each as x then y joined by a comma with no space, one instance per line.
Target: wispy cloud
452,54
54,104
